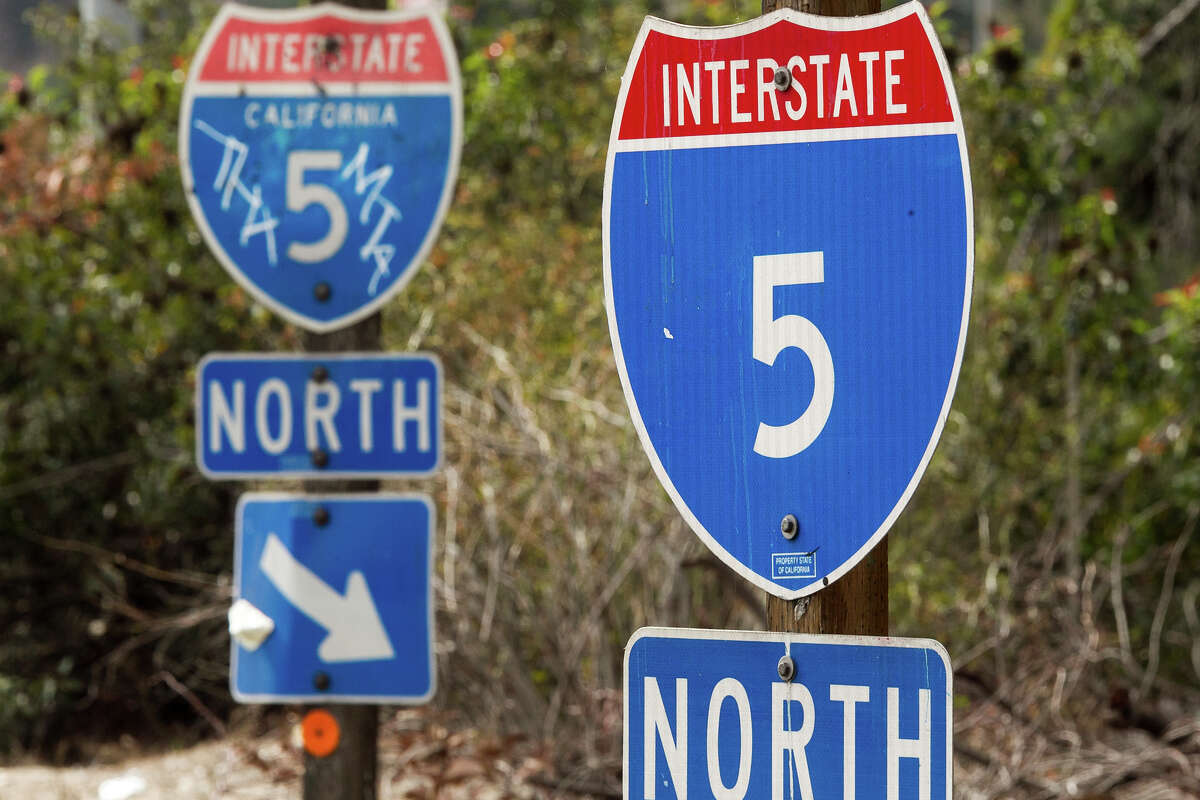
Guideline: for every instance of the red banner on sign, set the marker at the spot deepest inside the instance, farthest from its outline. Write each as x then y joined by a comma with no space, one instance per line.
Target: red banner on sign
326,48
886,75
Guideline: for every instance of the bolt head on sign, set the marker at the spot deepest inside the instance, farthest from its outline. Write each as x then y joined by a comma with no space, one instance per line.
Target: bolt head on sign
788,273
319,148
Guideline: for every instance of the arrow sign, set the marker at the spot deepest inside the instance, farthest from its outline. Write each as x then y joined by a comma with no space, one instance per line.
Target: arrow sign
355,631
346,580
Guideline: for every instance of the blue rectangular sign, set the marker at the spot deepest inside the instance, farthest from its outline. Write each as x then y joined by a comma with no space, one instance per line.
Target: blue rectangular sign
345,582
318,415
710,713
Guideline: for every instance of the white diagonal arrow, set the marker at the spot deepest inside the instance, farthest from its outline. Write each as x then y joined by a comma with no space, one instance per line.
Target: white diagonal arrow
355,630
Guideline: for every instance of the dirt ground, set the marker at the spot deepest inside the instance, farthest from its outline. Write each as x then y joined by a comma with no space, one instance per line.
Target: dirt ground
426,757
419,759
217,769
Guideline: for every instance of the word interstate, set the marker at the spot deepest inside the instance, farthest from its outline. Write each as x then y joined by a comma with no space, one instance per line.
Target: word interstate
744,90
297,53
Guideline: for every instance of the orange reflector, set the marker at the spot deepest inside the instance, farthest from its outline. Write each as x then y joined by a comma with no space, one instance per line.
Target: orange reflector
320,732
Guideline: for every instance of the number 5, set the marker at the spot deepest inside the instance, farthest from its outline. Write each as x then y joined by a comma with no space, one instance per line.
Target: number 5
301,195
772,336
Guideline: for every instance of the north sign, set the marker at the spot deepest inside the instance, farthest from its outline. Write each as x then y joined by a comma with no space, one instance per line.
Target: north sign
319,148
788,259
318,415
710,714
345,581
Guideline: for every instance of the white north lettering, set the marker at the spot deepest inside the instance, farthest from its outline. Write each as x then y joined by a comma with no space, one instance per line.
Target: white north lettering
656,727
364,388
919,748
273,443
321,403
788,741
419,414
222,418
731,689
794,723
848,696
277,408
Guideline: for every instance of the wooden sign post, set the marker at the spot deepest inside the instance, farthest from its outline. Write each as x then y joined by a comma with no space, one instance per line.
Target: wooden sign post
284,110
856,603
350,770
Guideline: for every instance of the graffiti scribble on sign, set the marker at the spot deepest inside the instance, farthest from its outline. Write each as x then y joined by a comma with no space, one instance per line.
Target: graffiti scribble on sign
371,184
229,182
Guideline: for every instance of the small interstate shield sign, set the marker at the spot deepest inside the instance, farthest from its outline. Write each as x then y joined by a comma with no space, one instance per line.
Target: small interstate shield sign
787,231
319,148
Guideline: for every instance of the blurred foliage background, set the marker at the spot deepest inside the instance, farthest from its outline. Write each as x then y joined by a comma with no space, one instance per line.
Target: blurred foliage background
1050,545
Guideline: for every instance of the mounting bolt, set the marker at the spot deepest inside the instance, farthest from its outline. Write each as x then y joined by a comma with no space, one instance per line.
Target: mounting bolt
321,681
783,79
320,459
789,526
320,374
322,291
787,668
320,516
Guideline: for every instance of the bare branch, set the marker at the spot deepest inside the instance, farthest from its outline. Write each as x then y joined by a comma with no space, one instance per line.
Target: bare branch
1163,28
1164,598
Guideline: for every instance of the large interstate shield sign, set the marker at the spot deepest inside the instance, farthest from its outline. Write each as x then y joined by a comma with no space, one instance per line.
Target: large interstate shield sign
319,148
788,256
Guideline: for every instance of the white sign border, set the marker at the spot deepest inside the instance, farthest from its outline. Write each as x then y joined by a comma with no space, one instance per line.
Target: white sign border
614,146
256,14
